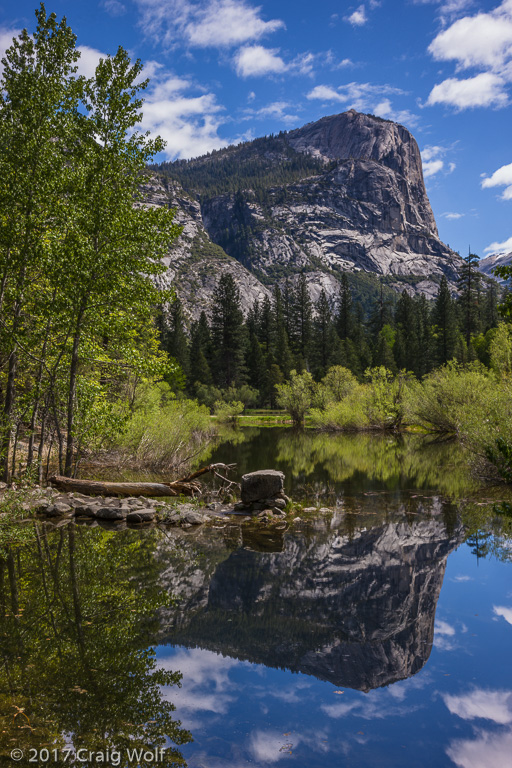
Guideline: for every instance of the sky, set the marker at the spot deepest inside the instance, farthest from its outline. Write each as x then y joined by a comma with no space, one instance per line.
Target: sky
225,71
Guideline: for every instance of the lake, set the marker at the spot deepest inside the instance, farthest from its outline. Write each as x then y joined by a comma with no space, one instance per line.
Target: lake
376,635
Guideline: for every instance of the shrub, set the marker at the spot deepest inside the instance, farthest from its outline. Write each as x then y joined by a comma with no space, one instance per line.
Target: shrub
163,432
228,413
296,395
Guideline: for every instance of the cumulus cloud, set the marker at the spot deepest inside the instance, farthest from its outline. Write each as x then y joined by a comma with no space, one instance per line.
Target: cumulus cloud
6,36
482,41
501,178
365,97
482,704
358,18
488,748
503,611
255,60
504,247
89,60
218,24
483,90
278,110
432,158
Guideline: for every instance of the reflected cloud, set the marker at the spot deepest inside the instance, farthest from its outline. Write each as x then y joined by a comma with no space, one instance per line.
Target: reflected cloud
485,704
205,683
503,611
487,749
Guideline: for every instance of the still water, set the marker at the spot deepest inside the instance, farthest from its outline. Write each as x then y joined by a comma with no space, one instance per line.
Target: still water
378,635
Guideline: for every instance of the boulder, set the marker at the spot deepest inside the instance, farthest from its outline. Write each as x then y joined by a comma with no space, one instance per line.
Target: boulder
261,485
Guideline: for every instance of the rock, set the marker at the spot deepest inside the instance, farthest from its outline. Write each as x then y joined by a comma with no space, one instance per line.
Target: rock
324,510
309,510
3,486
192,518
240,506
141,516
86,510
262,484
277,502
59,509
297,520
170,517
110,513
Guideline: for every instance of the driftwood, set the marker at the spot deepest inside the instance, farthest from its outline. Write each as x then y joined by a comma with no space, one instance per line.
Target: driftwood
185,486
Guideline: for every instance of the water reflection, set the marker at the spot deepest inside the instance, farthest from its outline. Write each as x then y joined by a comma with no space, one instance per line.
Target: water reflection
77,616
318,464
354,606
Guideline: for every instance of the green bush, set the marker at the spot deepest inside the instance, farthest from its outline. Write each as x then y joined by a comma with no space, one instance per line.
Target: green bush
163,432
228,413
297,395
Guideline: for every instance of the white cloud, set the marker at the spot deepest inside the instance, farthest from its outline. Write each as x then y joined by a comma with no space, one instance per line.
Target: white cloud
432,167
452,217
218,24
432,158
501,610
488,749
89,60
278,110
6,36
358,18
254,60
504,247
483,704
483,90
482,41
365,97
501,178
114,7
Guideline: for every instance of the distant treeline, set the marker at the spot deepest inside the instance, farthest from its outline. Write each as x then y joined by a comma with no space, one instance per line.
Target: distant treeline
258,165
232,358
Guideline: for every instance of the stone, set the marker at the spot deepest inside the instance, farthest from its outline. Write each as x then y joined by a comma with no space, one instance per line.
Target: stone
3,486
310,510
141,516
276,502
59,509
86,510
110,513
261,485
297,520
192,518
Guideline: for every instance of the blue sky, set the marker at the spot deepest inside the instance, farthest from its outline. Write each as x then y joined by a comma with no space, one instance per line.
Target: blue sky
224,71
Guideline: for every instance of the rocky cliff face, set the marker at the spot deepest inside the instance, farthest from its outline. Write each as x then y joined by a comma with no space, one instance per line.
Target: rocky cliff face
488,264
352,197
358,612
194,263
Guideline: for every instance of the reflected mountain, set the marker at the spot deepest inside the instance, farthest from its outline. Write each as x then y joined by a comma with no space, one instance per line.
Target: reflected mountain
352,607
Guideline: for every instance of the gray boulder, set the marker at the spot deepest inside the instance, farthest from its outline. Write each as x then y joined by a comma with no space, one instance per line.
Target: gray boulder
260,485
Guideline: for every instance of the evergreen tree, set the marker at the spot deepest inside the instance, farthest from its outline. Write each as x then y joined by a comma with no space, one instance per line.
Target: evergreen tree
228,333
200,352
280,339
323,337
490,317
469,294
345,314
302,321
175,340
444,319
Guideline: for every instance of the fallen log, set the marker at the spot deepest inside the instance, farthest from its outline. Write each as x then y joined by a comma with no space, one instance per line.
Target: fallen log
182,487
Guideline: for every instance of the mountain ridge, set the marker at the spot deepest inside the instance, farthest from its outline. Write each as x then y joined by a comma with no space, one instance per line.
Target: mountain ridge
343,194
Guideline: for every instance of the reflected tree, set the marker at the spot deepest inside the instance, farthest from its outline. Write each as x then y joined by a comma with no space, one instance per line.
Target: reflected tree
78,614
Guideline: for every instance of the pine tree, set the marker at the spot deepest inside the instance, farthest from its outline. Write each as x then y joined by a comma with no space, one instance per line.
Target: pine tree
323,336
302,321
200,352
175,340
444,319
469,293
345,314
228,333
